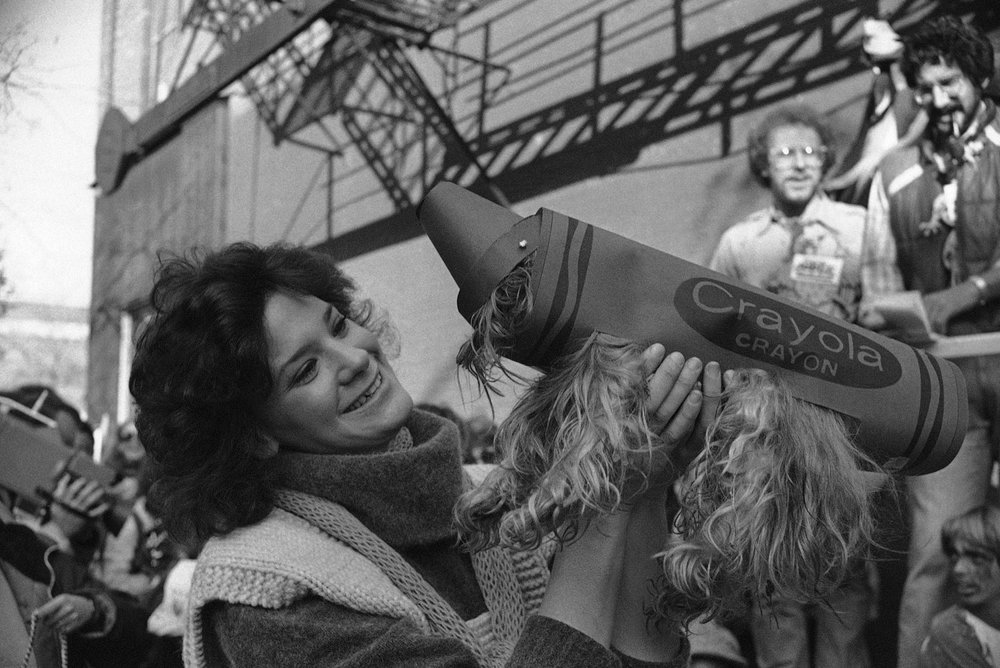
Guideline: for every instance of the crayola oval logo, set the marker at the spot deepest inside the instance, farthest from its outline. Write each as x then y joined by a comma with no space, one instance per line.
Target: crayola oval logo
762,328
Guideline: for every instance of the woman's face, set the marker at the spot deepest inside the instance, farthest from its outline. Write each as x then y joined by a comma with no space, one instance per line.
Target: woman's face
334,393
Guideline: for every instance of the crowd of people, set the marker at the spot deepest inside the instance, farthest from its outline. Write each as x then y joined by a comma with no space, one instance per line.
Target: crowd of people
82,564
287,504
930,225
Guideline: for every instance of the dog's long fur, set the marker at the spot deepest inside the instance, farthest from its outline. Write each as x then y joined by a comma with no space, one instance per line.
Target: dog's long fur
568,449
774,504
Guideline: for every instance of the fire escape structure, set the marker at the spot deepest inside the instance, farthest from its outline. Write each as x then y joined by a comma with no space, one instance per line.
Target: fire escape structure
567,96
332,76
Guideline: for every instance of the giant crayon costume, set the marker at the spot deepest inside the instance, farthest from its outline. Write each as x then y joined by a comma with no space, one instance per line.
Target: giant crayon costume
773,502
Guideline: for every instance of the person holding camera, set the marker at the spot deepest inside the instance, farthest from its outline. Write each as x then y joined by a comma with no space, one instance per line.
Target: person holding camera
51,608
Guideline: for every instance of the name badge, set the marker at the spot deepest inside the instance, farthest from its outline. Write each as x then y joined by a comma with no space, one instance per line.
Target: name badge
819,269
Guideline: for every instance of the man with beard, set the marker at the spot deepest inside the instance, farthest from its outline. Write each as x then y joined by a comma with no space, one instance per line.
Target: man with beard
934,226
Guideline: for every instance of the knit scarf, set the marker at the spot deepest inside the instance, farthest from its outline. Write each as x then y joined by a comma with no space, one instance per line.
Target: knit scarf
404,495
367,515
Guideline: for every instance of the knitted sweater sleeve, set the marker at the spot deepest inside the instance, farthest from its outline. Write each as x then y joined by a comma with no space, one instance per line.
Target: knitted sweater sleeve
313,632
548,642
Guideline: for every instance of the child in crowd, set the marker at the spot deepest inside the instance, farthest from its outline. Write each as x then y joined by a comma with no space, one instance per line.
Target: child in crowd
967,635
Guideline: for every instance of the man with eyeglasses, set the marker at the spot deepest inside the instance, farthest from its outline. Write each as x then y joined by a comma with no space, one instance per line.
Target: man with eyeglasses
934,226
806,247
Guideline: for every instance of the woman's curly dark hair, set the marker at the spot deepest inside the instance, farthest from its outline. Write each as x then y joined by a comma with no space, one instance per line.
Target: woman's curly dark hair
759,140
201,372
948,40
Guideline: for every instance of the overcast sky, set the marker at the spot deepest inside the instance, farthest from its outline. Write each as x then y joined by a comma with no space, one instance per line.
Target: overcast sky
47,152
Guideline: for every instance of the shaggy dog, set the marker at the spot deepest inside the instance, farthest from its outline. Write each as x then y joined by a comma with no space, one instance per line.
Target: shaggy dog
776,502
773,505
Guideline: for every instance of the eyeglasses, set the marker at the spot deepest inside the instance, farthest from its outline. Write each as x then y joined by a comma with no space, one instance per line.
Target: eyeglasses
784,157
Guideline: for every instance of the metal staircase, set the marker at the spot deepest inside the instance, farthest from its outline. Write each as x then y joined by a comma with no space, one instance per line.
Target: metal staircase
349,81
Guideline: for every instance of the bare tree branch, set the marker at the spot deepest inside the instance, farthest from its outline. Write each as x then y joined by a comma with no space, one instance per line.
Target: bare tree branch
15,79
15,66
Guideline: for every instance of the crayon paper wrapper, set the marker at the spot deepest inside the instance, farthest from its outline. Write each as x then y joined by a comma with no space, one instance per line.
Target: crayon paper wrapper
909,407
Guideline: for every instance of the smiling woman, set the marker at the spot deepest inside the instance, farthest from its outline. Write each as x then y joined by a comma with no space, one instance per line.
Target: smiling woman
284,446
334,390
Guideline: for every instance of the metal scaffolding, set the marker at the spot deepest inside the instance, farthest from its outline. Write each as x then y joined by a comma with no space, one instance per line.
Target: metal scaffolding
347,81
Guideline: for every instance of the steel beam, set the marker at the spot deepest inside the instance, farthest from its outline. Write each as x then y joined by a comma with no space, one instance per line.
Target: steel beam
203,86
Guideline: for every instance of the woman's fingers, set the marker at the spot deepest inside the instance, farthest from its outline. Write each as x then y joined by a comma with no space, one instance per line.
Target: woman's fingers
677,387
711,397
711,388
683,401
669,387
679,428
652,357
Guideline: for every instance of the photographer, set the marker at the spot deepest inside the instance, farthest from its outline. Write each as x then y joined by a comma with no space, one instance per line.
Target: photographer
50,605
60,491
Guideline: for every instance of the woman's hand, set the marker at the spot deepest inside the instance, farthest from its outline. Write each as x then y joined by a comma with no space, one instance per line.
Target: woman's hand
683,400
712,383
587,589
67,613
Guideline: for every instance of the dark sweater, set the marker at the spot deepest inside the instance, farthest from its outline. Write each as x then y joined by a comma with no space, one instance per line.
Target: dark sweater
313,632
